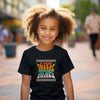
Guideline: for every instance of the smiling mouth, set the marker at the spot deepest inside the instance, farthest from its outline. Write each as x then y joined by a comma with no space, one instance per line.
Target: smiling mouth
47,38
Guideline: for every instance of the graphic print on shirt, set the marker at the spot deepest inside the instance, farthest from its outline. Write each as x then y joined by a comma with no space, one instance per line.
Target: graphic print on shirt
46,70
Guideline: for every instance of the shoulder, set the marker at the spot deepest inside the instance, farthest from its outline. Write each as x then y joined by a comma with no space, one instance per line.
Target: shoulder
98,16
29,50
88,17
61,50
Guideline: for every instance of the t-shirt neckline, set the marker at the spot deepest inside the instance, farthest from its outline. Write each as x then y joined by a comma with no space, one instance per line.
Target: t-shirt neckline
48,51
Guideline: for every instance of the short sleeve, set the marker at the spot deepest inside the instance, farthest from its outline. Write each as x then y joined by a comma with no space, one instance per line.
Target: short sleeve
24,67
67,64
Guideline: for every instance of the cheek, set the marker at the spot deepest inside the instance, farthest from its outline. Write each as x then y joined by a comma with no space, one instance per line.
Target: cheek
40,35
40,32
55,35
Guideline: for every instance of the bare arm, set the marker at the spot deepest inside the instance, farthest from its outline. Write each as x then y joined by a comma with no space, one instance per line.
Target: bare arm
25,87
68,86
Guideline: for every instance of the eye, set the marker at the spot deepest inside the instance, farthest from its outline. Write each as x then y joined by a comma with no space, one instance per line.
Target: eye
52,29
43,28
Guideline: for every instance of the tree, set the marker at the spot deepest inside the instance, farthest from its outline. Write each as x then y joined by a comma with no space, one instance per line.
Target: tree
71,7
82,9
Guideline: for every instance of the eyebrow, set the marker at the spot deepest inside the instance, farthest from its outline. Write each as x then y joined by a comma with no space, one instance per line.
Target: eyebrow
51,26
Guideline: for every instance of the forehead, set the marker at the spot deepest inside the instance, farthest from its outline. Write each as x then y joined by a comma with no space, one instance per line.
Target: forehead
49,21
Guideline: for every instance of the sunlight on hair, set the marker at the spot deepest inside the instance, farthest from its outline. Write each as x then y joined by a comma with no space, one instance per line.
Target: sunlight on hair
33,15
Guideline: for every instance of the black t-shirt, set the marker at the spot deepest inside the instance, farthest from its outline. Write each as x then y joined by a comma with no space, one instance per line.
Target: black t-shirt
46,69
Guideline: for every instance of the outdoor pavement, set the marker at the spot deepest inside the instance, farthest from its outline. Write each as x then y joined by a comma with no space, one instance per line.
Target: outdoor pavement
85,76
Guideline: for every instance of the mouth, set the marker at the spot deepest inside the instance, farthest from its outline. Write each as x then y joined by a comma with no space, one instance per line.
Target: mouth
46,38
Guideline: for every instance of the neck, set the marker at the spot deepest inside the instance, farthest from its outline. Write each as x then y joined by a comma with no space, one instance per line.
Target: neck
93,15
46,47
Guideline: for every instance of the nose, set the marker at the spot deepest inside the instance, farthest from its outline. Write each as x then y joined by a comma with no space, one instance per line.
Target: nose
47,32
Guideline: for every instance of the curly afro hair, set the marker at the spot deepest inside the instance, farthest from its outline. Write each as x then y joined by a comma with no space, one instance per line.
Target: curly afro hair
32,17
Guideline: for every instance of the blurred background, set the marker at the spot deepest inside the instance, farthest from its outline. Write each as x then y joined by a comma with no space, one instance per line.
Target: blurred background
85,76
11,11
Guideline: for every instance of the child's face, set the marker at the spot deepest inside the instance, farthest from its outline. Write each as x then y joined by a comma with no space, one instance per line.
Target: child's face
48,30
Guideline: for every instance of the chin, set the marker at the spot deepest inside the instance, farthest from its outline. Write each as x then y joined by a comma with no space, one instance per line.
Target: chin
47,42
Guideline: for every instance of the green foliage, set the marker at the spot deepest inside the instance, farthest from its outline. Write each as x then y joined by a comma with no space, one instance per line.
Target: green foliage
80,33
98,10
71,7
82,9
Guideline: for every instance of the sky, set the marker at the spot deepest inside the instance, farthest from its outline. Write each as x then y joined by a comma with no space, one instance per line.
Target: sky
53,3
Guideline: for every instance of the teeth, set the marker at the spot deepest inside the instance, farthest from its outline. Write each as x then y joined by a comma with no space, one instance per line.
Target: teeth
47,38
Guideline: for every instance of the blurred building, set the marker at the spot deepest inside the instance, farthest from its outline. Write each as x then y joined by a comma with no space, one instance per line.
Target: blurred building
35,2
17,7
11,11
14,7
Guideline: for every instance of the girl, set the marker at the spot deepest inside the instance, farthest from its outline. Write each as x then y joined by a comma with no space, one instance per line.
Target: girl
46,66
